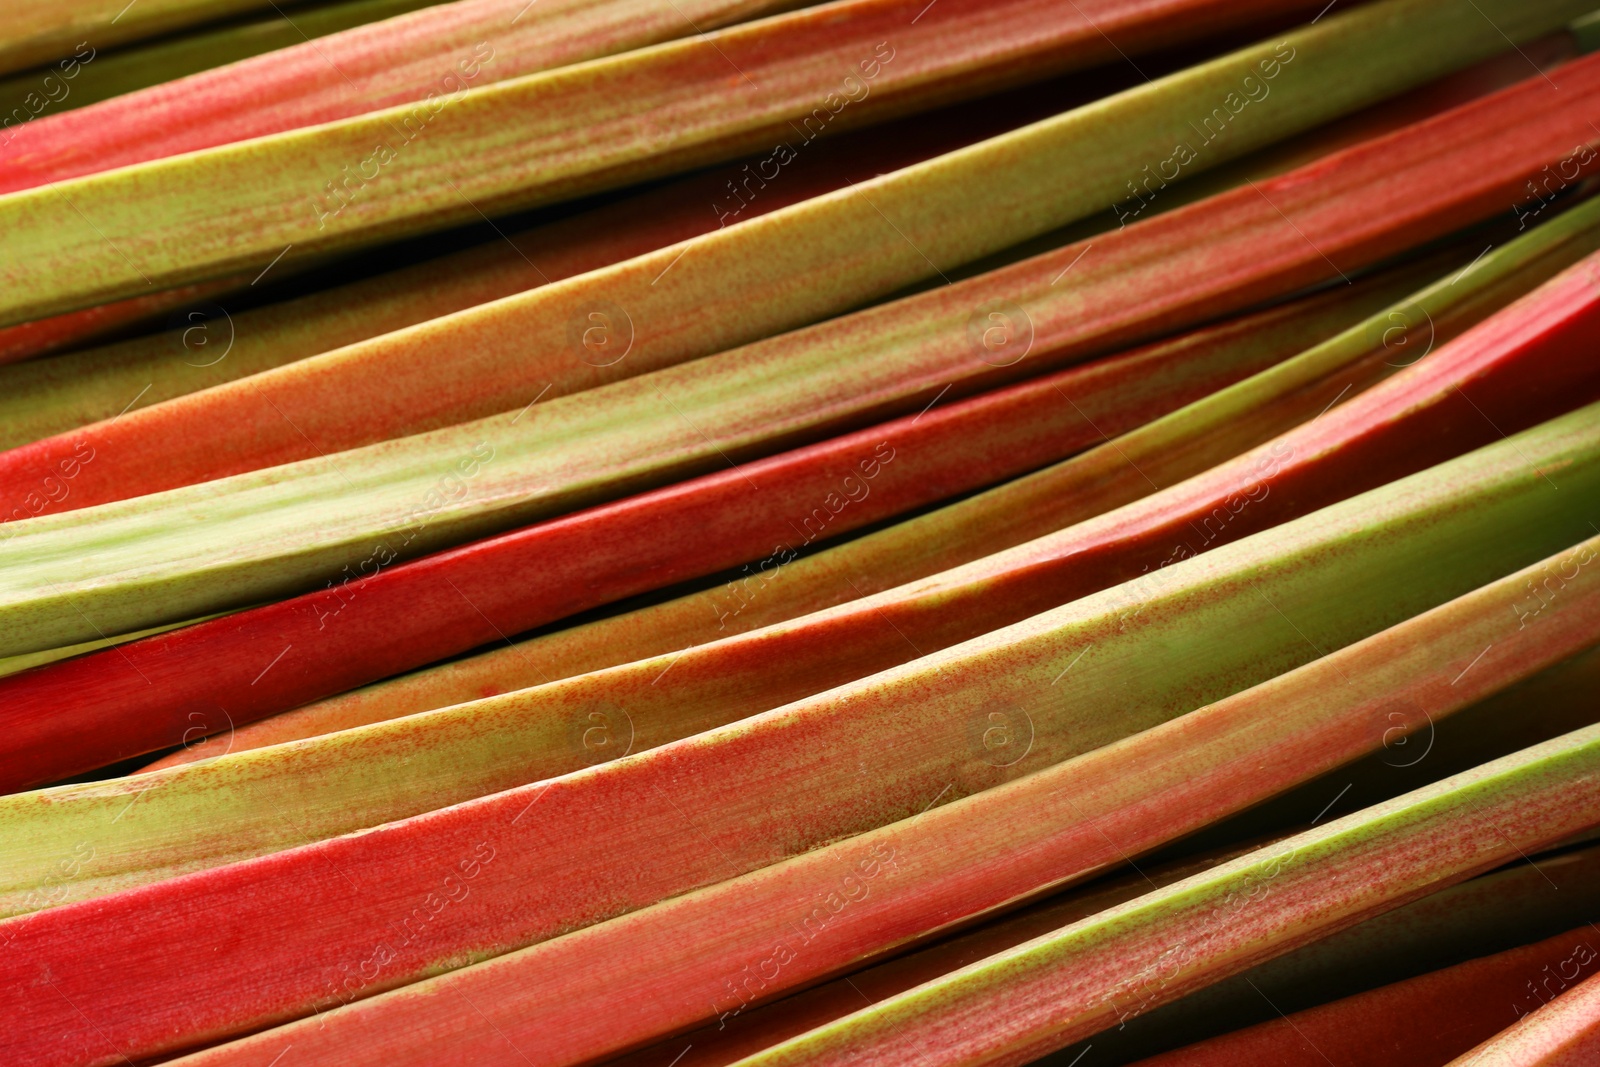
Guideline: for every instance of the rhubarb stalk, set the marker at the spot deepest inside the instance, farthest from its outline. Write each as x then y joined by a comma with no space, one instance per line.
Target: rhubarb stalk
143,562
745,796
668,963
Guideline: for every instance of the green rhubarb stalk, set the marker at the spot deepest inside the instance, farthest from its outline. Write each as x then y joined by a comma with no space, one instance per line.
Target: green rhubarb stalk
39,398
745,796
138,563
40,33
1488,915
104,236
1088,977
1421,541
1162,453
963,860
123,70
487,747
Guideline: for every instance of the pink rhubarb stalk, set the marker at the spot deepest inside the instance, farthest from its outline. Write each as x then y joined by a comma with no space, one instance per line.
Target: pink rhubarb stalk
441,50
1424,1021
458,600
610,986
292,936
1562,1033
1233,250
1020,1004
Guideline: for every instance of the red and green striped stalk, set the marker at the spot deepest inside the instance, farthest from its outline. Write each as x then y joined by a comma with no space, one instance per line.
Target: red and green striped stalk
488,149
1037,997
61,332
45,397
47,335
1562,1033
443,50
1526,904
148,63
829,253
270,187
1495,912
1530,900
677,964
731,1037
208,547
42,33
1398,428
1421,1022
637,545
1162,453
283,928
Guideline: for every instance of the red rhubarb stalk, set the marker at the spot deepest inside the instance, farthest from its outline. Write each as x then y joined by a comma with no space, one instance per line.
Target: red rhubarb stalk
1020,1004
1422,1022
441,50
1563,1033
682,962
272,532
457,599
1499,912
284,927
1154,276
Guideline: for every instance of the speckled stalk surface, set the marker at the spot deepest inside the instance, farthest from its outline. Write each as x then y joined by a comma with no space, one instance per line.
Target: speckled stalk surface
151,62
831,253
660,969
1479,917
378,773
1158,454
1562,1033
193,551
443,50
284,935
41,398
143,697
646,113
1421,1022
60,332
1025,1002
